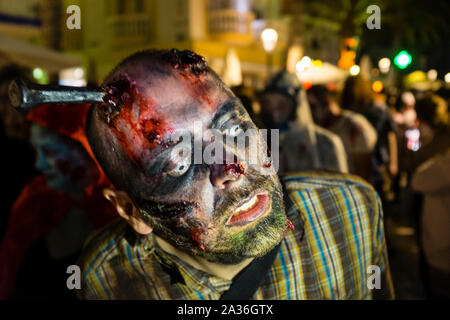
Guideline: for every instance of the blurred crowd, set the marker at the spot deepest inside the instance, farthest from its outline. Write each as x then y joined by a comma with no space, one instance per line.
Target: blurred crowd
397,140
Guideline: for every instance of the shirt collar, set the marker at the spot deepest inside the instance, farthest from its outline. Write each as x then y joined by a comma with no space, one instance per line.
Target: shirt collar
193,277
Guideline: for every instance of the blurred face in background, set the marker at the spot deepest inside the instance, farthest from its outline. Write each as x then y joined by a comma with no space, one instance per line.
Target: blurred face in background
319,108
276,109
65,164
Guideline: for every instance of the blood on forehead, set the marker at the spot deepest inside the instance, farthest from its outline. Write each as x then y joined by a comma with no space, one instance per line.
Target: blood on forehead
192,72
133,119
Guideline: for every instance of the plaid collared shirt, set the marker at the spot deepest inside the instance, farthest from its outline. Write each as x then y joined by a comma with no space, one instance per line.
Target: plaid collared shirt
337,240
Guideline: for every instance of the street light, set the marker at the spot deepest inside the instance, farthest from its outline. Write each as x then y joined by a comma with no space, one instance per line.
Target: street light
384,64
354,70
304,63
269,39
432,74
402,59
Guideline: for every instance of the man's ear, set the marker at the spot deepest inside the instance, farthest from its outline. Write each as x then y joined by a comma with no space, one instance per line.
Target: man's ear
126,209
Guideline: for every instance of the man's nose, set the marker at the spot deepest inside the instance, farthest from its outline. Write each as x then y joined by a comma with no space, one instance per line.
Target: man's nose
226,175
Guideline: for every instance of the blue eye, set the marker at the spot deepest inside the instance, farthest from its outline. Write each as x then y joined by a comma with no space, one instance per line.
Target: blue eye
234,130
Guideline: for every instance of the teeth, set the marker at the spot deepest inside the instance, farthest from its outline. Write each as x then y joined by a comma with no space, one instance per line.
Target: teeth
247,205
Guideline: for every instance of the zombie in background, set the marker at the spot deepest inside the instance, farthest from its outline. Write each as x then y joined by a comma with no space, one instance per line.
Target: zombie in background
195,230
303,144
358,97
432,178
62,204
357,134
14,137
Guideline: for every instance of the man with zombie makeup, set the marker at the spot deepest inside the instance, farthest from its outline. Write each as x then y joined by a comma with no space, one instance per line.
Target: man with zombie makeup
192,226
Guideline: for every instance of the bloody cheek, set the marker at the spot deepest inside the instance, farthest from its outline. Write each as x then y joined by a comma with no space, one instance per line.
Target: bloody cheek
234,169
171,214
196,234
289,225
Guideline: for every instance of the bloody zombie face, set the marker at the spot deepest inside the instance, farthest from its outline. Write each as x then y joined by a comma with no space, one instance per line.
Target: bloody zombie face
224,211
66,165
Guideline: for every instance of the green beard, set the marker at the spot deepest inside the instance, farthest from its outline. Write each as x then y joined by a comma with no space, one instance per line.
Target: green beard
255,241
252,242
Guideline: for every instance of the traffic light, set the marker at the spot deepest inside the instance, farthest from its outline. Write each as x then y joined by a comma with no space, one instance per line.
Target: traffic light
402,59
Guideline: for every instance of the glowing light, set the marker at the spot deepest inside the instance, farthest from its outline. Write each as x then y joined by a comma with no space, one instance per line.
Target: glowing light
307,85
38,73
432,74
384,64
447,77
354,70
402,59
304,63
413,139
269,38
78,73
72,77
377,86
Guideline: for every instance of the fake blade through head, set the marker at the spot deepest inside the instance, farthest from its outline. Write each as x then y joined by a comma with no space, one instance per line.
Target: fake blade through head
26,95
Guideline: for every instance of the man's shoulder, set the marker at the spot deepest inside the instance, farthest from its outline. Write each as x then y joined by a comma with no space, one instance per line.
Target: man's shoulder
355,118
327,137
102,245
323,179
330,196
334,199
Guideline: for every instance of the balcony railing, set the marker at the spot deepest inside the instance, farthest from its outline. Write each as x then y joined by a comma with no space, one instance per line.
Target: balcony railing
127,29
229,21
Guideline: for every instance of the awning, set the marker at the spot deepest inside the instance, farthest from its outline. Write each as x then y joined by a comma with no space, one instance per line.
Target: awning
32,56
325,73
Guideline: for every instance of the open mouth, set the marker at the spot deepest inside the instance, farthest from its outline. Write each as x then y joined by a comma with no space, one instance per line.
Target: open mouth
250,210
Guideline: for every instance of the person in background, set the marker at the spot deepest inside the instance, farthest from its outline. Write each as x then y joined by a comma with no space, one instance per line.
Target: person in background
14,138
432,179
303,144
62,204
433,125
357,134
406,113
357,96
